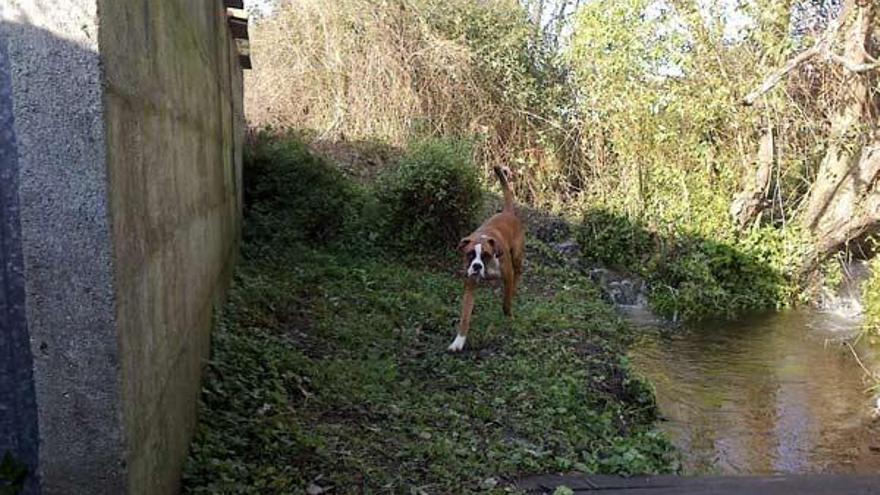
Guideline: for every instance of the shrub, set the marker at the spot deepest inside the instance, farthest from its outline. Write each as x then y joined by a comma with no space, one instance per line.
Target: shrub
613,240
288,192
432,197
690,276
700,278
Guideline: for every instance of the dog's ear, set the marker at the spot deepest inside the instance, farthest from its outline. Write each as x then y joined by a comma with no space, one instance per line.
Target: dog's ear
463,244
497,247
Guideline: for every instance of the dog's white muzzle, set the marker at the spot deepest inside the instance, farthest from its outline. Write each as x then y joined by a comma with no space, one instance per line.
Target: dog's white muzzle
478,269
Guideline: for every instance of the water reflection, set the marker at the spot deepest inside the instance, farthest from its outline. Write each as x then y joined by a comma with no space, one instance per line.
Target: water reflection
775,393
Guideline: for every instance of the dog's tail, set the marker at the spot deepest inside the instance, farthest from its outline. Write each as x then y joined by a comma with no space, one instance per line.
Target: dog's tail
503,173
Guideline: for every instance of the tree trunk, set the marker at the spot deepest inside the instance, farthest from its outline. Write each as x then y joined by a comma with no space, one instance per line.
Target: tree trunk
560,20
748,204
853,211
537,18
843,202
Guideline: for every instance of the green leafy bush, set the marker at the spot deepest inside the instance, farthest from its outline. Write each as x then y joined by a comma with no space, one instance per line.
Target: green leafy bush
691,277
291,194
432,197
700,278
613,240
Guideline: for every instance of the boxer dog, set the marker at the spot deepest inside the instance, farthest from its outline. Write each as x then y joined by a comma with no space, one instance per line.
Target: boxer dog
495,250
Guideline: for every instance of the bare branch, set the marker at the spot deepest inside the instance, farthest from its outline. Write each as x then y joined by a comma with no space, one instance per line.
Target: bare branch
823,45
855,68
774,78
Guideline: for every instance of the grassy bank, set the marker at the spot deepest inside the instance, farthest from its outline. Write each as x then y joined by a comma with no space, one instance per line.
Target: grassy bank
329,365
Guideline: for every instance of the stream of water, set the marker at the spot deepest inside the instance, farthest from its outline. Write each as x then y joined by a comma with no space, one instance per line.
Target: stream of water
768,394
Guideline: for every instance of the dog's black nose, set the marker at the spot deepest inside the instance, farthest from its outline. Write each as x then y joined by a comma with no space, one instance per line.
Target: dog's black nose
478,267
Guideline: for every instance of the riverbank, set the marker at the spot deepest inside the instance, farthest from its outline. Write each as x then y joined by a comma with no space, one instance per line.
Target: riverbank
329,372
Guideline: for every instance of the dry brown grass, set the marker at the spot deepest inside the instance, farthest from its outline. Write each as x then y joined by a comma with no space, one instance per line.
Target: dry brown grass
361,70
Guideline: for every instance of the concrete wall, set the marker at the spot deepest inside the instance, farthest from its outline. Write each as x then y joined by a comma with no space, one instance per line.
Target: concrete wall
54,69
171,124
127,126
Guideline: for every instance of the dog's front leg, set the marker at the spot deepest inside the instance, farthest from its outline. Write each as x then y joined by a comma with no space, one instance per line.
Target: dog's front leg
467,308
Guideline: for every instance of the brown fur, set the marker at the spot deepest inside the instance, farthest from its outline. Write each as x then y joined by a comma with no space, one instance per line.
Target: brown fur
502,235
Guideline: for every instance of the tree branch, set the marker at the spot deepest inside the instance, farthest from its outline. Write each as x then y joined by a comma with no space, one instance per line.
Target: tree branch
855,68
774,78
822,46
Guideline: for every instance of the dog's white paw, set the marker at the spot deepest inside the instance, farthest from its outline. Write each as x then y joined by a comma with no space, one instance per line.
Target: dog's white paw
457,344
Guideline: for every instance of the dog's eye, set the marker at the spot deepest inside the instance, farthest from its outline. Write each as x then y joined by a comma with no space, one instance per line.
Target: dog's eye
485,256
471,255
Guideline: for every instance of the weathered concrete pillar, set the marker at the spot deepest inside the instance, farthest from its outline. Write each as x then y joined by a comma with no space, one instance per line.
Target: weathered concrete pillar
120,145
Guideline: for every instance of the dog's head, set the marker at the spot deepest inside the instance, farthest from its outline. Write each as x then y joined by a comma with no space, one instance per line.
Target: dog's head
482,254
